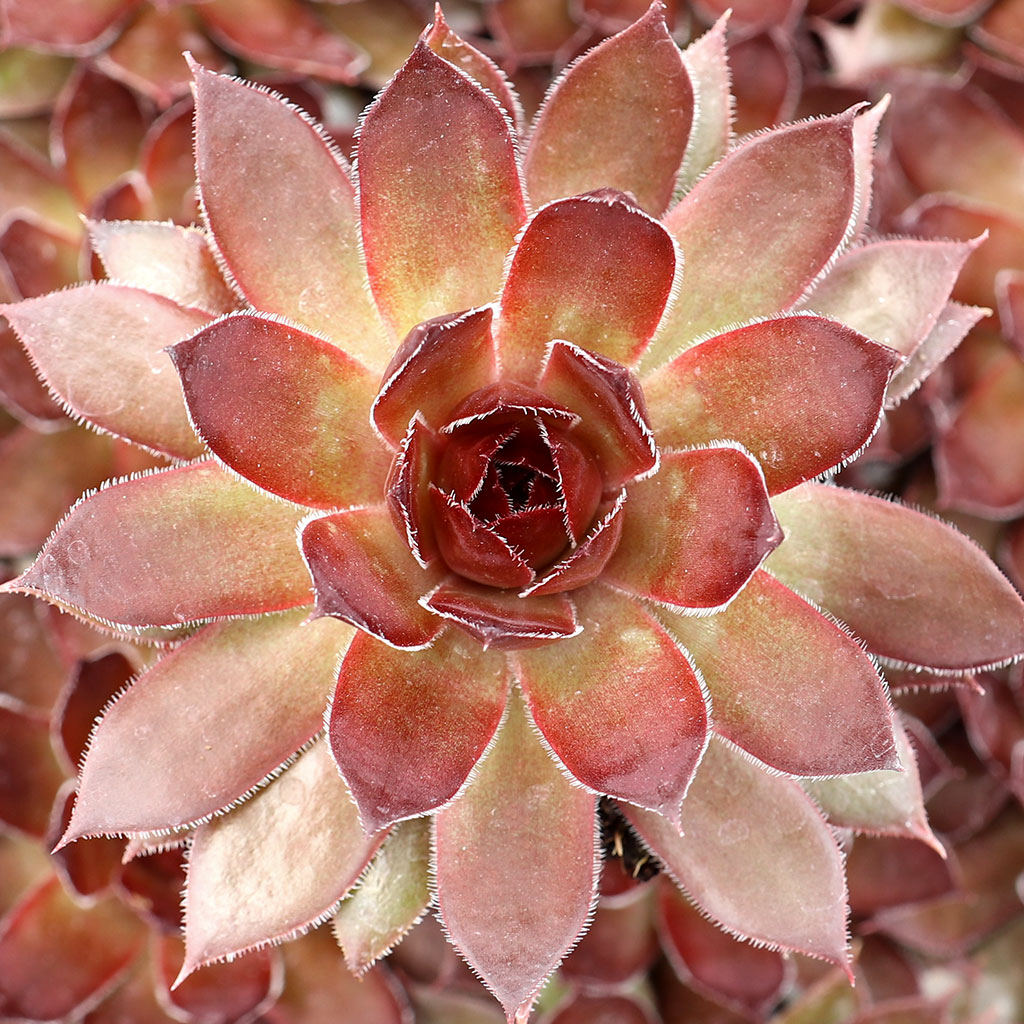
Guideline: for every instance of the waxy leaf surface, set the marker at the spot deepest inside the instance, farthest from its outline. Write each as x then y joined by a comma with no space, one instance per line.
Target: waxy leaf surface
515,866
407,728
892,291
434,132
708,67
914,589
163,258
695,532
392,896
778,672
801,393
275,865
759,227
620,704
364,573
121,381
882,802
592,270
284,409
246,695
201,545
755,855
286,254
619,118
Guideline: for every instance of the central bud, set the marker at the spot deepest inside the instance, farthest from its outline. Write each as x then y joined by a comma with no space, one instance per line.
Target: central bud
510,466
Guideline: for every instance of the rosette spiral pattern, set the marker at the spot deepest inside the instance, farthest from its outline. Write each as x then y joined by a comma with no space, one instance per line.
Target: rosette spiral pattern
534,540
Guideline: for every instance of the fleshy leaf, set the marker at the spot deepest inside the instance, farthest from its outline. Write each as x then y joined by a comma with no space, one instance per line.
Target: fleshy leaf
502,618
756,856
956,139
423,261
299,838
284,409
584,694
779,671
882,802
286,254
591,270
364,573
56,955
708,66
610,402
284,34
979,458
742,975
246,694
407,728
41,474
801,393
893,290
78,31
515,866
587,560
407,488
618,118
201,545
165,259
694,533
318,991
440,362
38,260
392,896
619,945
953,325
445,42
223,993
29,773
121,381
913,588
759,227
32,673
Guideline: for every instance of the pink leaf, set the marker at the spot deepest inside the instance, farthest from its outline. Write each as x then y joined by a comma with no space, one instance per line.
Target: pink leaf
286,254
515,867
694,533
434,132
759,227
708,67
445,42
406,729
284,34
745,977
756,856
621,704
913,588
275,866
502,618
121,381
284,409
48,938
246,694
408,490
78,31
364,573
610,403
29,773
440,362
979,458
165,259
802,393
592,270
200,545
618,118
764,657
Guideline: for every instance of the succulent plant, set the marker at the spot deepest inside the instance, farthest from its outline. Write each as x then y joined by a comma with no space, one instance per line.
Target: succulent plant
510,456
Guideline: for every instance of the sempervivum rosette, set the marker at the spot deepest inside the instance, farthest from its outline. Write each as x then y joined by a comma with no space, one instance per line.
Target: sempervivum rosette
535,535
